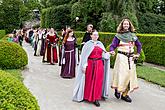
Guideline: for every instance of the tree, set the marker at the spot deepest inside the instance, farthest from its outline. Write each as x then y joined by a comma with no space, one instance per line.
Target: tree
57,2
10,17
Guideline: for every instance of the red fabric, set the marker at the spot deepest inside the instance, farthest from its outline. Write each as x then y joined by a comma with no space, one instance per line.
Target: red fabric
94,76
51,39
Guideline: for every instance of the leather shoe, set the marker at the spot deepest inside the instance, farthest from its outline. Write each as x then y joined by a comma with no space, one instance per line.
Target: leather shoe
96,103
117,94
126,98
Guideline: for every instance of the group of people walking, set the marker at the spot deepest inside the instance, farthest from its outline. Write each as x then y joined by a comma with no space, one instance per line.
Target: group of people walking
92,69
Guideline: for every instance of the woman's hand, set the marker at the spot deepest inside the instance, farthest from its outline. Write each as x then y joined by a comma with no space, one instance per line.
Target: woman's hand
84,70
112,53
136,55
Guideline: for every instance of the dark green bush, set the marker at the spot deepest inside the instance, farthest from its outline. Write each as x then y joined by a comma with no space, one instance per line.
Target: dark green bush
2,33
154,49
14,95
12,56
56,17
106,39
151,23
153,46
141,59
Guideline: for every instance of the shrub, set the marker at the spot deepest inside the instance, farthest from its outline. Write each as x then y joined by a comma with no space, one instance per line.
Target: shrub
2,33
141,59
14,95
12,56
151,23
153,45
154,49
56,17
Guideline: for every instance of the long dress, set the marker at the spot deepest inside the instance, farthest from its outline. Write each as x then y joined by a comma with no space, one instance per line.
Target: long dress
50,54
124,74
43,44
39,44
94,76
68,60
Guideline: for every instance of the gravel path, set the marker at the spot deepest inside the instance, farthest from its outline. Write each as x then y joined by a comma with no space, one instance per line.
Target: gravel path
55,93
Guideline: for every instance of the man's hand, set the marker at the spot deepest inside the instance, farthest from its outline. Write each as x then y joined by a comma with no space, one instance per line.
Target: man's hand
112,53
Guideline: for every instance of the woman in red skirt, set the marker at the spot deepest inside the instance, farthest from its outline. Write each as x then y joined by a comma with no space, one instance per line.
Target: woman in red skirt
50,49
92,65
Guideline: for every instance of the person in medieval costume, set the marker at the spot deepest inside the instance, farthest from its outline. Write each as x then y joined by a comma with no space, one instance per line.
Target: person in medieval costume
68,59
50,53
92,78
39,42
87,35
124,75
44,32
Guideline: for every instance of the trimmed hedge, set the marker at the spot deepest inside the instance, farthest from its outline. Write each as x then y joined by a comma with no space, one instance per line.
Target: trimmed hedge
2,33
14,95
106,39
12,56
154,49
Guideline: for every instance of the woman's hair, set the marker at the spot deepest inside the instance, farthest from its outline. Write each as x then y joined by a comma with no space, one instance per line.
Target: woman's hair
67,35
90,25
120,27
93,30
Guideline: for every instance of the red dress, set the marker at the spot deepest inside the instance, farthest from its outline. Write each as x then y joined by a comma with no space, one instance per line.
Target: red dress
94,76
51,49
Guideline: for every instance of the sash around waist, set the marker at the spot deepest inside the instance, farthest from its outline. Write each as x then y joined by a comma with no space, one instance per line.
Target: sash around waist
70,50
95,58
126,53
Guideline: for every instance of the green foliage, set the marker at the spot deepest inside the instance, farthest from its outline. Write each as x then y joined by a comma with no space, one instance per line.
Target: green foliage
10,18
56,17
14,95
141,59
153,46
2,33
32,4
145,5
12,55
16,73
151,23
151,74
106,39
154,49
108,23
57,2
24,13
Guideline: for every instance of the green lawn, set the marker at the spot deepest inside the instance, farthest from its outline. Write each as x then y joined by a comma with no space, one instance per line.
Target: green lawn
16,73
151,74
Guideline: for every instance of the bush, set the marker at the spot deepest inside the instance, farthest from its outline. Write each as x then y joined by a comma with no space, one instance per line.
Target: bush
153,45
108,23
56,17
141,59
14,95
2,33
151,23
154,49
9,12
12,56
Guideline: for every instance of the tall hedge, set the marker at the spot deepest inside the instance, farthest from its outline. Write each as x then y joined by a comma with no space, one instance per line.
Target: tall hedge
154,49
151,23
2,33
56,17
14,95
106,39
10,14
12,55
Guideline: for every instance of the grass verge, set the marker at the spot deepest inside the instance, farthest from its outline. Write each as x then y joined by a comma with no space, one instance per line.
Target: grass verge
151,74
